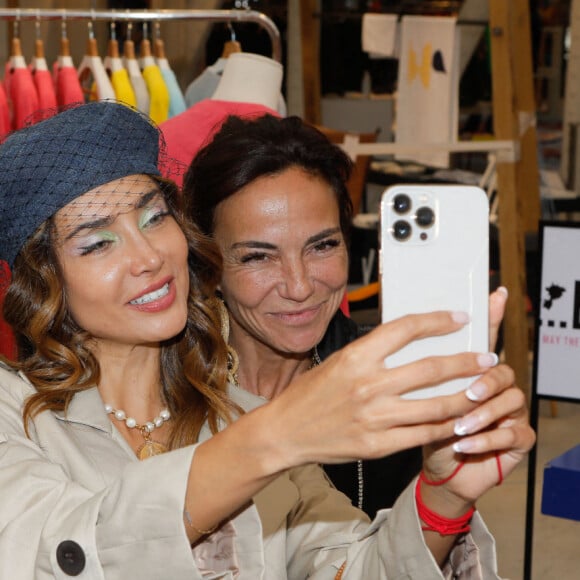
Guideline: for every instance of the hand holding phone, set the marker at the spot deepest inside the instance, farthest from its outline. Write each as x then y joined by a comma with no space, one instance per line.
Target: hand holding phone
434,256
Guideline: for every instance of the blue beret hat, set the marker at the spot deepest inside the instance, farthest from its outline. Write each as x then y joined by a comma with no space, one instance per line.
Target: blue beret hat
46,166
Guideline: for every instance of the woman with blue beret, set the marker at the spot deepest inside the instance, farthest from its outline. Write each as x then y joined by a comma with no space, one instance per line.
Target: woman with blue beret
122,452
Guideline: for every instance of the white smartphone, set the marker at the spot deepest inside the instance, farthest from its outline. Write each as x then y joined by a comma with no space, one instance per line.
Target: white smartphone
434,255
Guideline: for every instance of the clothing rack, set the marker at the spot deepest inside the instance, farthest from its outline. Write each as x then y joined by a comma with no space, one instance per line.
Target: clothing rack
344,15
20,14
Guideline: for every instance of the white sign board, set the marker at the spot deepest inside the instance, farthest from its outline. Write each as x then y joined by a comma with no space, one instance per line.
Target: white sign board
558,347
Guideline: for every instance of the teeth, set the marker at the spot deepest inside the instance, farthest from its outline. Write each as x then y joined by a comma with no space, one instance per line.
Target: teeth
152,295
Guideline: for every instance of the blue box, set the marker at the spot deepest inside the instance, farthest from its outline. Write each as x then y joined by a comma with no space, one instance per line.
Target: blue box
561,490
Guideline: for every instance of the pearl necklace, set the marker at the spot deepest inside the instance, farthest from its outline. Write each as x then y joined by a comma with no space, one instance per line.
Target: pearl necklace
150,447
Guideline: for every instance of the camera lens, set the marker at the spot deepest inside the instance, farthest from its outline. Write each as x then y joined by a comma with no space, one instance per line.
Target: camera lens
401,230
401,203
425,217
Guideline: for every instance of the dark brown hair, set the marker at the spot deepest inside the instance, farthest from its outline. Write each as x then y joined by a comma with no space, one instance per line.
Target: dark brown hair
245,149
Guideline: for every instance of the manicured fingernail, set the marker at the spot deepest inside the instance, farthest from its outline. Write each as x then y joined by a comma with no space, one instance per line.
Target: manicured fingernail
503,290
477,391
489,359
460,316
462,446
466,425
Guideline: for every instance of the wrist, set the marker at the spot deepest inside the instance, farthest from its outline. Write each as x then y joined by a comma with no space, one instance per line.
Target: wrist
266,440
443,518
440,495
442,500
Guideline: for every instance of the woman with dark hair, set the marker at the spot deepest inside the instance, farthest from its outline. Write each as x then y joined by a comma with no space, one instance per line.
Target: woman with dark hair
272,193
122,453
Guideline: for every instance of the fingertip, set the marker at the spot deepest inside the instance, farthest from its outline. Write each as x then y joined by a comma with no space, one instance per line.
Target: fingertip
460,317
477,391
489,359
463,446
502,290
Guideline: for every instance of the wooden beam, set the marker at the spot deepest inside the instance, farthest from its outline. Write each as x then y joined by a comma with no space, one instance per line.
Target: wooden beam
527,172
506,98
310,29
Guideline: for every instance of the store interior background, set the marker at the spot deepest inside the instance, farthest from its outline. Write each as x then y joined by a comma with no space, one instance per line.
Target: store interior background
358,95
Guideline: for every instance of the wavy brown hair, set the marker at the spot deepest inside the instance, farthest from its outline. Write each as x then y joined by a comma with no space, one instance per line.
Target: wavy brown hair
53,350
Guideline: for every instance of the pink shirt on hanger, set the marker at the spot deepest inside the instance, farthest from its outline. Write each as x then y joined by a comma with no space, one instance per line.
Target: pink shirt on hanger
45,90
68,87
22,95
4,113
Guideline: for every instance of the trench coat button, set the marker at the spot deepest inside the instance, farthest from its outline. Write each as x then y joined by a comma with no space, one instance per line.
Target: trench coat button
70,558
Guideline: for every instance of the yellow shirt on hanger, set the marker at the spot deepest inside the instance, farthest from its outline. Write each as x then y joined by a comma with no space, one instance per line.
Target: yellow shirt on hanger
158,93
123,88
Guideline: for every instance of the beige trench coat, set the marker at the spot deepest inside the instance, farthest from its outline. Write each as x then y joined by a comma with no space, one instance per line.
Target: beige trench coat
75,502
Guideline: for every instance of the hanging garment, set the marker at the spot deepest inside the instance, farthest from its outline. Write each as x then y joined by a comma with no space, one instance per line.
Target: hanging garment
67,85
176,100
205,85
21,92
158,93
136,77
428,86
186,133
46,93
122,85
250,78
119,76
44,84
93,76
379,35
4,113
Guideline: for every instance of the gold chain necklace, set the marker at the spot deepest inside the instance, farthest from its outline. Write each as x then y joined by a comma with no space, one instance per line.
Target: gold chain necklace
150,447
234,364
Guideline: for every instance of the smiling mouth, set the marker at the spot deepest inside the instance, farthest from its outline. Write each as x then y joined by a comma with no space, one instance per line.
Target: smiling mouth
152,296
306,313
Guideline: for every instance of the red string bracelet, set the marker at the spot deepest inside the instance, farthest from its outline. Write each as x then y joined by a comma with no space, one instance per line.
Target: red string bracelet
441,481
499,469
437,523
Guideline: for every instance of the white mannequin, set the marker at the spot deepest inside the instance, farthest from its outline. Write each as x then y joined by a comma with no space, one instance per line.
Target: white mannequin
250,78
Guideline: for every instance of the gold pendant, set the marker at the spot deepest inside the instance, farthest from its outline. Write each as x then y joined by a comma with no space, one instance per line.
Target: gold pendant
150,448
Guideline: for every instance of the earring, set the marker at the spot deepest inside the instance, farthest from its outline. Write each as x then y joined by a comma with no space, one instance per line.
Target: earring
233,360
218,305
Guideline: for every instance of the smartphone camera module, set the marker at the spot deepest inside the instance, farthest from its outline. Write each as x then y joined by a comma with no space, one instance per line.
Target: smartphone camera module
425,217
401,203
401,230
410,215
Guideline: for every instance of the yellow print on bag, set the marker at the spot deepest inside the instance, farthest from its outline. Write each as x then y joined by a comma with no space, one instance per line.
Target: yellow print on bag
422,70
429,60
